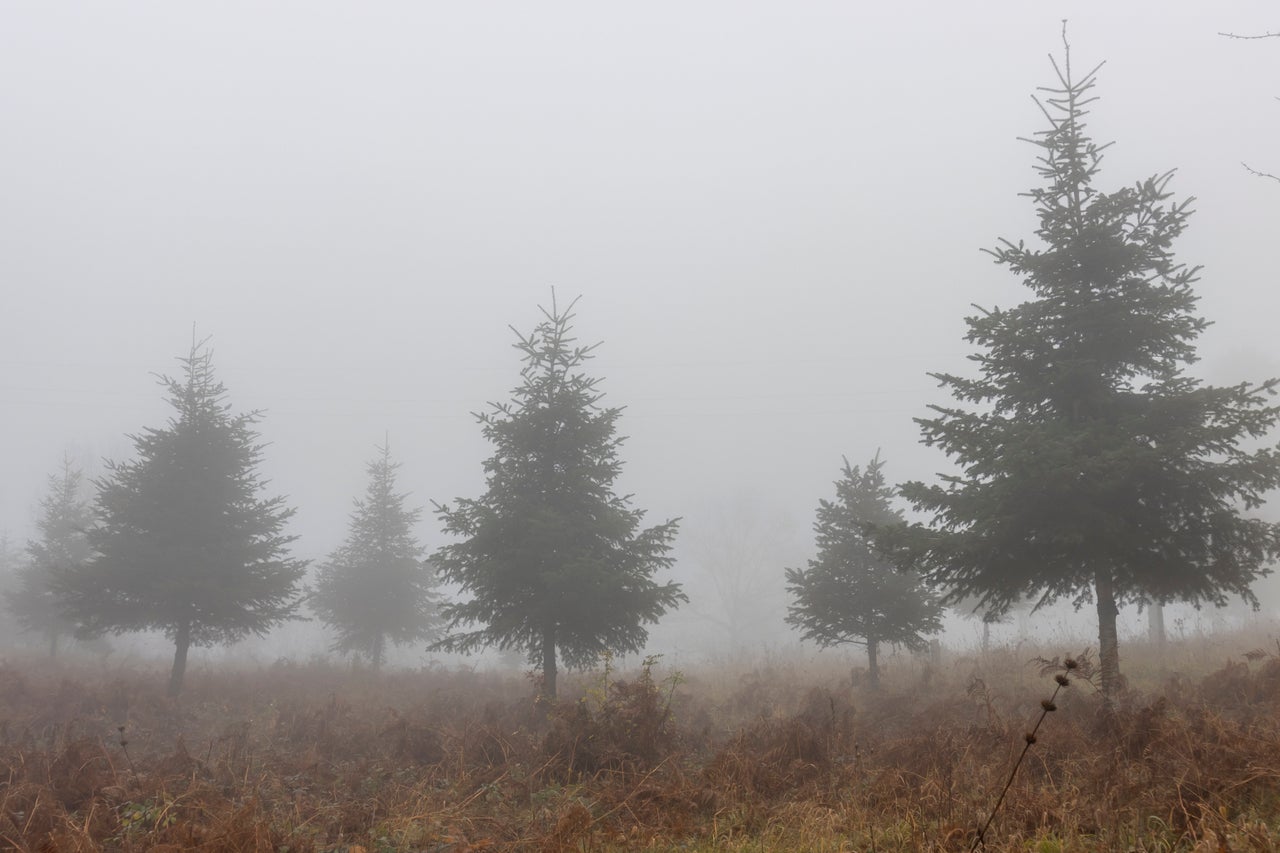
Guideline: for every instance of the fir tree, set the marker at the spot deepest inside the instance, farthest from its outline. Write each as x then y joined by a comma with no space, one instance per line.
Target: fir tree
553,561
1093,467
850,593
65,518
376,588
184,543
12,563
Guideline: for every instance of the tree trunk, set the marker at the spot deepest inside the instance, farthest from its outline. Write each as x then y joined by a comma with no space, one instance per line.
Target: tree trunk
1155,625
986,635
53,644
549,662
379,644
1108,644
873,653
182,642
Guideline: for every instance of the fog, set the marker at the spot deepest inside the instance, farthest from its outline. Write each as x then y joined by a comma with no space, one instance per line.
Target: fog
772,213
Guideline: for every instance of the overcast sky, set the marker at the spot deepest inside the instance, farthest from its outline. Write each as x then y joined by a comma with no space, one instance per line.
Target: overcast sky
772,212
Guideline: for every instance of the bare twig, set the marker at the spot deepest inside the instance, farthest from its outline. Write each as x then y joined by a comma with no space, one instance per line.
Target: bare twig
124,747
1267,35
1047,706
1253,171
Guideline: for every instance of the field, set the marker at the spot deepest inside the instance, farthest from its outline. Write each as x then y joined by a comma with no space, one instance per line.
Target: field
779,757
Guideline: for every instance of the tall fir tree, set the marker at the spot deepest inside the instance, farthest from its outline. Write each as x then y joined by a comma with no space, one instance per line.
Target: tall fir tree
555,564
65,518
1093,467
184,544
376,587
850,593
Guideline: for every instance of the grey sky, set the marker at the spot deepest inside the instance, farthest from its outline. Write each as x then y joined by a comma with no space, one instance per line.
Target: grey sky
772,211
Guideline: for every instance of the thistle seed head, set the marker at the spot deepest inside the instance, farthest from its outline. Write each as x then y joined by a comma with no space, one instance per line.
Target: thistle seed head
1048,705
1070,663
1062,680
1030,738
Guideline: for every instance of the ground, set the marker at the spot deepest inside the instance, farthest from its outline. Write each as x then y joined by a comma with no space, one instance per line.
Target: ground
781,757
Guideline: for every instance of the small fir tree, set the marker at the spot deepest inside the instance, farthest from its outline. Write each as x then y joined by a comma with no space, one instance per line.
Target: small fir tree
65,518
184,543
553,561
1093,467
376,588
12,562
850,593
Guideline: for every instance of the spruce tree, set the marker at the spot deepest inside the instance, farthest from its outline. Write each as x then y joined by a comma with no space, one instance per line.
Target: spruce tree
850,593
552,561
1093,468
65,518
376,587
184,543
12,563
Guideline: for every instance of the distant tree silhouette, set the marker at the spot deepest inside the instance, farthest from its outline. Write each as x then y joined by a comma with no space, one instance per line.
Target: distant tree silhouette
376,588
736,549
65,518
12,562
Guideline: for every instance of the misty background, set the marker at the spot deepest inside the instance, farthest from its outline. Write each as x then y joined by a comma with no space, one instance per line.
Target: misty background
772,212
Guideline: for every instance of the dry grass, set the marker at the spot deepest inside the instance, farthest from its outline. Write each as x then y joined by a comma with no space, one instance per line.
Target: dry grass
322,758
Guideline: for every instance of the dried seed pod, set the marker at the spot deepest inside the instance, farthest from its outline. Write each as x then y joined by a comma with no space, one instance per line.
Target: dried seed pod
1030,738
1062,680
1070,663
1048,705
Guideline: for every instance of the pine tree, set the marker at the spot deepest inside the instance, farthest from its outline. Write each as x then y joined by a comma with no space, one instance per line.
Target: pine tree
376,587
65,518
850,593
552,559
12,563
1093,468
184,544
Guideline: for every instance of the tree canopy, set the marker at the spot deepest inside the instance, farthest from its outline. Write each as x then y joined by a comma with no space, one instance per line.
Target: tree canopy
376,587
552,560
849,593
1093,467
184,544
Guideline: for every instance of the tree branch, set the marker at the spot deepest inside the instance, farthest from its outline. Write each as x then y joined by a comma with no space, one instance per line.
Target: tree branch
1267,35
1254,171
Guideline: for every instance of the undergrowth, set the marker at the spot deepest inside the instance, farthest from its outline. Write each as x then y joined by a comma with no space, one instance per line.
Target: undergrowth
318,758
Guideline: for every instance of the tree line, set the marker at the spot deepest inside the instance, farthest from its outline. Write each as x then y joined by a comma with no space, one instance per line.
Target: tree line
1089,467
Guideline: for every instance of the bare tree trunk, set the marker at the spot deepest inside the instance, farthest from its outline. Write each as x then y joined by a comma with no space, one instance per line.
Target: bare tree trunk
53,644
549,662
183,643
378,645
873,654
1108,643
1155,625
986,635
